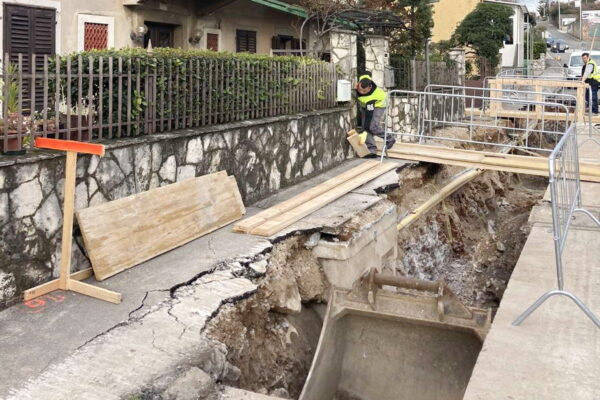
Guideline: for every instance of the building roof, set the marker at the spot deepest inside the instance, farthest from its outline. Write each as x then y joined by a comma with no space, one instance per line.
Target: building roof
517,3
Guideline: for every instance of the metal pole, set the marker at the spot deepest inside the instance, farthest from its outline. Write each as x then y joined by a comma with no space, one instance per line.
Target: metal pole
559,24
580,19
427,65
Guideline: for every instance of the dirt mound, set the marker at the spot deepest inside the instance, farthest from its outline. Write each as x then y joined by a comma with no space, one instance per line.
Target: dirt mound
272,336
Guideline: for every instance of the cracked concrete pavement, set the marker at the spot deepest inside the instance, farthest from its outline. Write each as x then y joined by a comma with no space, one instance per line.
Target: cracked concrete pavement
47,338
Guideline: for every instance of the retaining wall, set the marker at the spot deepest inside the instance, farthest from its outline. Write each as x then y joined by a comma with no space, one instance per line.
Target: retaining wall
264,155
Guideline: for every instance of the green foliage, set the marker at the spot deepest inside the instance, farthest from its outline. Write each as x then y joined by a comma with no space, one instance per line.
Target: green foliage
484,30
12,89
182,85
539,48
418,15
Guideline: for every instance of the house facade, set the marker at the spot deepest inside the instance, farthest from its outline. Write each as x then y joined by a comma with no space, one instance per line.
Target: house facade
64,26
447,15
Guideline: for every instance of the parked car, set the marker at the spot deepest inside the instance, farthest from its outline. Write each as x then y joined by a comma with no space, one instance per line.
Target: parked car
576,63
549,42
559,46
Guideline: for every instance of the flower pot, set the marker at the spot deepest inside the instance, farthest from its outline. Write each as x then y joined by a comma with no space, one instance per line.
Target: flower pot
85,133
13,146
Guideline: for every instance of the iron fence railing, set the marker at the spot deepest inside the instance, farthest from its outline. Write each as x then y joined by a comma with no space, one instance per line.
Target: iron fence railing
565,192
412,74
103,97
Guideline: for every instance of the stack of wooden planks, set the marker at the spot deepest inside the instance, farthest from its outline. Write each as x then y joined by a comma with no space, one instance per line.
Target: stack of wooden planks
274,219
123,233
590,171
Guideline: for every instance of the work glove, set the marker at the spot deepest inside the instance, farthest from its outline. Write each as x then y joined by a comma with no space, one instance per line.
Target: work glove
363,137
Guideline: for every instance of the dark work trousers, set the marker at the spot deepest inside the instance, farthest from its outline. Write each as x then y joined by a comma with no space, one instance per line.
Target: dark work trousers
376,128
594,84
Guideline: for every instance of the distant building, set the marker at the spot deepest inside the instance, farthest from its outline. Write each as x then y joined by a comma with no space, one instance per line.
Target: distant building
448,14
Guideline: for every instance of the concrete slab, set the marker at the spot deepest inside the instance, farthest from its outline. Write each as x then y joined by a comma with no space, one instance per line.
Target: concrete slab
37,335
135,355
589,146
555,353
47,329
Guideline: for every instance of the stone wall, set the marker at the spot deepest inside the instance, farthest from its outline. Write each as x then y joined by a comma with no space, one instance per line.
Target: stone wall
344,52
407,113
263,155
377,57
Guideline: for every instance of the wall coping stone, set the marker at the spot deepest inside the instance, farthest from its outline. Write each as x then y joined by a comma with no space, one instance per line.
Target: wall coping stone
33,156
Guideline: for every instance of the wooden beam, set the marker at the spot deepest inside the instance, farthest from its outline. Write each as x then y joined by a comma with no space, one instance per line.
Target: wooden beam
69,146
306,203
530,115
466,177
51,286
246,225
590,171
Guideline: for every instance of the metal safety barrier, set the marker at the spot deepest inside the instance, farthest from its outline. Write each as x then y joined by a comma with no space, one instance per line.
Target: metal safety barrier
569,100
565,190
419,117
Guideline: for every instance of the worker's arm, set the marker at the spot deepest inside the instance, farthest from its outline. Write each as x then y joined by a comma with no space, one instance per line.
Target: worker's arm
587,72
370,108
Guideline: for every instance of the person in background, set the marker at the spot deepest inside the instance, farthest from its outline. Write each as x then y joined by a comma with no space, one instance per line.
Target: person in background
372,101
591,76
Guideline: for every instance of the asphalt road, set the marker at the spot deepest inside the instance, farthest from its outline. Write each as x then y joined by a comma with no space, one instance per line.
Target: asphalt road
574,44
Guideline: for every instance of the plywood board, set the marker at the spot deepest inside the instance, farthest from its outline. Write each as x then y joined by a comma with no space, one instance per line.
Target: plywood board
306,203
123,233
360,149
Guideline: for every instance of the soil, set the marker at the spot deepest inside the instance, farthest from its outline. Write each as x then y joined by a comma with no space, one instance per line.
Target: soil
474,239
271,339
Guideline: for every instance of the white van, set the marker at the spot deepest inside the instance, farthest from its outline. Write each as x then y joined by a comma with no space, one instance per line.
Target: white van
576,63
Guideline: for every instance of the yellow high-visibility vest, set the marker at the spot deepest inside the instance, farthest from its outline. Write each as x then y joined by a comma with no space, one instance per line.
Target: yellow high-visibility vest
595,72
378,95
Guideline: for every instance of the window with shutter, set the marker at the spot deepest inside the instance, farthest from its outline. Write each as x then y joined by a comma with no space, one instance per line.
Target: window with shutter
29,30
245,41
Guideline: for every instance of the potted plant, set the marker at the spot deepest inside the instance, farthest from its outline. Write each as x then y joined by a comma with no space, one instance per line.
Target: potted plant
9,125
41,124
73,116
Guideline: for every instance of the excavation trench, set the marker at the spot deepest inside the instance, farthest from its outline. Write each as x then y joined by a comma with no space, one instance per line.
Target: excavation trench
472,241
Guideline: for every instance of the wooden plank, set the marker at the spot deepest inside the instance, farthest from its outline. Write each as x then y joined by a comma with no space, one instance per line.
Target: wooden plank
68,208
282,221
70,145
51,286
125,232
94,291
498,112
248,224
590,171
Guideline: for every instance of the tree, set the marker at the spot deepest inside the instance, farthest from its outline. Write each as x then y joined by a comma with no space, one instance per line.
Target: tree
409,40
484,30
419,17
408,23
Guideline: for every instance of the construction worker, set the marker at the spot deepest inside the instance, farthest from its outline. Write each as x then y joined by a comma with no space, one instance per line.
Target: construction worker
591,76
372,101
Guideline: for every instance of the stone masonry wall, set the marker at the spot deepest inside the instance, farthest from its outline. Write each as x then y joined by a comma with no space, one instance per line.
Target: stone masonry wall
263,155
